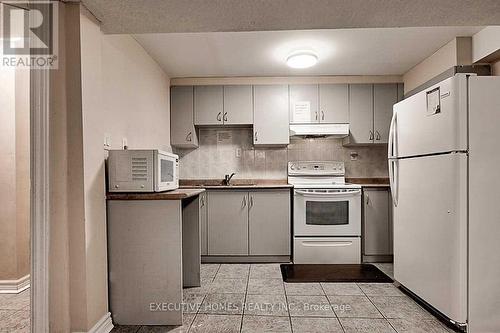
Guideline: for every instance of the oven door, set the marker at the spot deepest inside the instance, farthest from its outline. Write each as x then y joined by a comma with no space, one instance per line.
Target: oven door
327,212
166,176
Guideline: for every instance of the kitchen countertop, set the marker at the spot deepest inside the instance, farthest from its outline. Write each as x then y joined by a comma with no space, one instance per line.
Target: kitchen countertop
369,182
178,194
235,184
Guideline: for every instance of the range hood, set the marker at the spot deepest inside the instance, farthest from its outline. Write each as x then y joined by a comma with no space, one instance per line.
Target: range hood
330,130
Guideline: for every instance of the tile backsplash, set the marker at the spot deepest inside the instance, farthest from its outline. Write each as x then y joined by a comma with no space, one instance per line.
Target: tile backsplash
223,151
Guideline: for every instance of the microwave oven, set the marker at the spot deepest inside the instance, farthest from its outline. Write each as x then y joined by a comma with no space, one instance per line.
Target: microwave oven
135,170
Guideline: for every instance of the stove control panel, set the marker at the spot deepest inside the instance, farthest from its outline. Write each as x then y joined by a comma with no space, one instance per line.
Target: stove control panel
316,168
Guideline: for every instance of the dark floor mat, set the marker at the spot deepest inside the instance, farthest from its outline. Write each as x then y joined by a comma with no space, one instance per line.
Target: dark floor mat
333,273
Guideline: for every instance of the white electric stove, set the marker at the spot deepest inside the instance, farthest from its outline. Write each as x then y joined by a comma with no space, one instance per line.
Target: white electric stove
327,214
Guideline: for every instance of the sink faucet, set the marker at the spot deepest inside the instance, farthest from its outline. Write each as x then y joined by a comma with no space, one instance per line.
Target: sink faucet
227,179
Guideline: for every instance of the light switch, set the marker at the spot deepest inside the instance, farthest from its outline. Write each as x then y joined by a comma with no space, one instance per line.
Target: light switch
238,152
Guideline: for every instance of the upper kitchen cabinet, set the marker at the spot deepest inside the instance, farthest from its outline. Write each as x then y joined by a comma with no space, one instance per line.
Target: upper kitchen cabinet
334,103
238,105
182,131
208,105
304,104
384,98
324,103
270,115
370,112
361,114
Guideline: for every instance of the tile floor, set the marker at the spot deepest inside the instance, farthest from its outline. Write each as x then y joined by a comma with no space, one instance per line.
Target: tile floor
254,298
15,312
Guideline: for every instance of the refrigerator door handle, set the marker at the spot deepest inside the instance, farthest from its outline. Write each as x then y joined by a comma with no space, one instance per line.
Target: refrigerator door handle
394,180
391,152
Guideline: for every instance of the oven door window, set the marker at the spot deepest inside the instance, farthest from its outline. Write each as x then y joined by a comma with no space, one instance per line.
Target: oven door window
327,212
167,171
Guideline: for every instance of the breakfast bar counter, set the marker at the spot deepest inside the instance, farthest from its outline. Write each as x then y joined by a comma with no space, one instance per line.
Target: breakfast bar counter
153,251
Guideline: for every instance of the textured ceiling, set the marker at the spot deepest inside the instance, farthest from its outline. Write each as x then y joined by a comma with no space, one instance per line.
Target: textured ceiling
145,16
374,51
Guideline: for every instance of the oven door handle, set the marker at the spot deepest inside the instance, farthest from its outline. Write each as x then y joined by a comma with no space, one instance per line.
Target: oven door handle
326,243
330,195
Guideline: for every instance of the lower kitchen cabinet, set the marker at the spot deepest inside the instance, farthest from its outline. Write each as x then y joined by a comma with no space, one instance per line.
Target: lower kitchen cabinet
248,223
203,223
377,224
269,223
227,223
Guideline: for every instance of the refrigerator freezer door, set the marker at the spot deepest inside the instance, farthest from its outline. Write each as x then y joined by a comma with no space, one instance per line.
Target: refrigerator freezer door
430,231
484,211
432,121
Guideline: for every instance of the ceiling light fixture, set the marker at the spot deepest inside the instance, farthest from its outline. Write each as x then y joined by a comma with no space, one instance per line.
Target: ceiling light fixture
302,59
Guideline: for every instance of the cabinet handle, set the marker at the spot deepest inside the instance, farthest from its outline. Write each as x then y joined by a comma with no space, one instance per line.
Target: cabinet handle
371,136
255,136
377,137
219,116
225,116
244,201
189,137
367,199
322,115
316,115
251,202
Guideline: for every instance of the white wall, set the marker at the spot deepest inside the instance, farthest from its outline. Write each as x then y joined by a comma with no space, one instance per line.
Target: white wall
14,173
495,68
456,52
124,94
485,44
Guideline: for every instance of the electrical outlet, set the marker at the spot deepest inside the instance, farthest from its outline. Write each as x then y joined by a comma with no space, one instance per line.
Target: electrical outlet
107,140
238,152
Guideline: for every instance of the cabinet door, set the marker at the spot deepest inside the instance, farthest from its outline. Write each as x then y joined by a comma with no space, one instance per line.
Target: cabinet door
384,98
361,113
377,231
182,131
227,223
334,103
208,105
203,223
269,223
238,105
304,104
270,115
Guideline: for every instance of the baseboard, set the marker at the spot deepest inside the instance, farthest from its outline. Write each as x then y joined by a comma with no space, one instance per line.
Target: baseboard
14,286
244,259
104,325
378,258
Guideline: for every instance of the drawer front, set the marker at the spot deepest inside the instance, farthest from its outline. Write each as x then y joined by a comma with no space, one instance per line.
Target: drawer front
327,250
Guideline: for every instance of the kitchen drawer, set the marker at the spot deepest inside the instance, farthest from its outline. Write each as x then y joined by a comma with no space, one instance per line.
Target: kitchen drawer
327,250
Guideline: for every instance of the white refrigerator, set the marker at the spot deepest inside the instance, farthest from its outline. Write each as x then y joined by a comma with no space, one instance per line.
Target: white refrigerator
444,169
